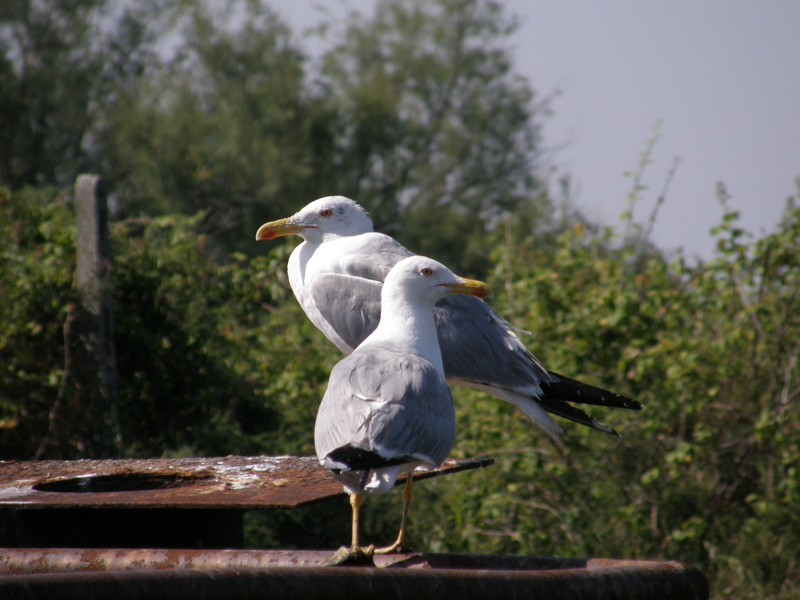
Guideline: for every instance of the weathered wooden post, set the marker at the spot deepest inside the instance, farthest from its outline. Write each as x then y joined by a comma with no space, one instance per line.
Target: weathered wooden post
95,359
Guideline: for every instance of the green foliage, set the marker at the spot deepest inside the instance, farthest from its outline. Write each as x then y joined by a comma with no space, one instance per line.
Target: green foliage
48,66
223,123
223,126
218,358
37,254
201,362
196,106
181,314
203,349
707,473
434,127
418,114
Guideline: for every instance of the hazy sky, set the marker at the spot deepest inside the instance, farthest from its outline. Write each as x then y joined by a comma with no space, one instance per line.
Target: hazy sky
723,77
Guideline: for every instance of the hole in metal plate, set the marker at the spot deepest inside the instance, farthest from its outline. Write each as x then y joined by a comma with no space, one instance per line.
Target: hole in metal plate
123,482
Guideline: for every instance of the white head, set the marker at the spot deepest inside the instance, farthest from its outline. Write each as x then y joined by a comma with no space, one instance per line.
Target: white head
325,219
423,281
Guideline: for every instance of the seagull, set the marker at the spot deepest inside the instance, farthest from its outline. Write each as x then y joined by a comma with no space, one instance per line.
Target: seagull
337,274
387,408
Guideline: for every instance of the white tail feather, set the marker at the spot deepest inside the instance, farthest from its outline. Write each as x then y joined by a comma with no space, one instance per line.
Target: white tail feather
529,407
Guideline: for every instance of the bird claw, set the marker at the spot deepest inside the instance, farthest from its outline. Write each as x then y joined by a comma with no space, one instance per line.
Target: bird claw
395,548
350,556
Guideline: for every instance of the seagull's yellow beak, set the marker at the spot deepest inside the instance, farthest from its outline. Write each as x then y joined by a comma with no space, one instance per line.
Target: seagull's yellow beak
276,229
471,287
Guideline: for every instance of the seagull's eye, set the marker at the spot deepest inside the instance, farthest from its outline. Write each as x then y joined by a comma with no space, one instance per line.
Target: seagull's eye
426,272
326,213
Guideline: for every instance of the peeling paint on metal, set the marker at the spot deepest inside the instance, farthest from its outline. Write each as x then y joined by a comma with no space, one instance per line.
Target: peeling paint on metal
240,482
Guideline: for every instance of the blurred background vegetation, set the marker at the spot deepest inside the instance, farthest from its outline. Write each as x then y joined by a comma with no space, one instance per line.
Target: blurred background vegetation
207,121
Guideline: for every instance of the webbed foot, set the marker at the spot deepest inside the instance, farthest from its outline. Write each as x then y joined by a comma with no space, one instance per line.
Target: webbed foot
350,556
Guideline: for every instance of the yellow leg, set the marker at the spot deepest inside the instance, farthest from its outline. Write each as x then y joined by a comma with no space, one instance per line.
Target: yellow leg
398,545
355,553
355,503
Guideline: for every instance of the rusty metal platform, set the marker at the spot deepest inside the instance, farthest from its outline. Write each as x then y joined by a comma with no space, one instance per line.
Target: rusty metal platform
231,482
230,574
164,503
172,529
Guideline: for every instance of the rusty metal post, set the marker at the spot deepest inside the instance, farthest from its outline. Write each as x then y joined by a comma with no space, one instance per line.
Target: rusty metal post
95,359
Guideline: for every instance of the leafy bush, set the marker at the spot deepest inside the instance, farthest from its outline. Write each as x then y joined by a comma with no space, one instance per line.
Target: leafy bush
37,249
200,371
708,472
217,358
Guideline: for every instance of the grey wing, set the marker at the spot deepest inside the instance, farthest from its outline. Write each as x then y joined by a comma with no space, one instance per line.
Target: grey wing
350,305
394,405
377,254
479,347
421,419
482,350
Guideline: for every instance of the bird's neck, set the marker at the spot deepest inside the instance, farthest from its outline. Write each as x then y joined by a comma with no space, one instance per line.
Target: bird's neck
298,263
310,259
410,328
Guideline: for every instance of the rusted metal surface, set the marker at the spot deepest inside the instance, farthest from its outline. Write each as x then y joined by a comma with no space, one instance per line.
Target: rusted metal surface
71,491
232,482
199,575
61,560
144,502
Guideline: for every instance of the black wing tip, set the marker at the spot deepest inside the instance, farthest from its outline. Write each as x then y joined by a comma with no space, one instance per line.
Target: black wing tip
565,410
568,389
606,429
620,401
